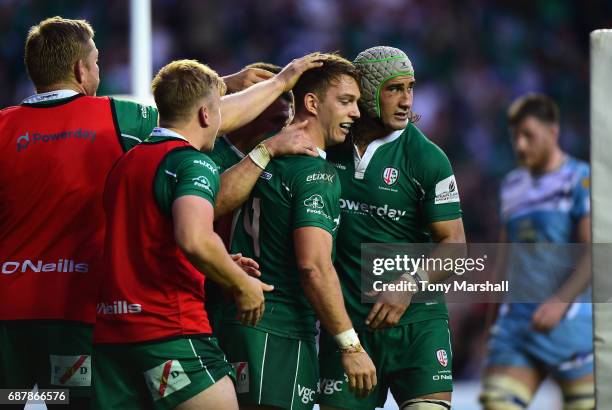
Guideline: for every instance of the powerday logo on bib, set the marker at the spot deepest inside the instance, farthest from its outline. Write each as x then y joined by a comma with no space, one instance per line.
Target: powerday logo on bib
390,175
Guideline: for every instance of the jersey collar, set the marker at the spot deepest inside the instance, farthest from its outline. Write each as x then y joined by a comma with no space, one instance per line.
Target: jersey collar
165,132
232,146
361,163
321,153
49,96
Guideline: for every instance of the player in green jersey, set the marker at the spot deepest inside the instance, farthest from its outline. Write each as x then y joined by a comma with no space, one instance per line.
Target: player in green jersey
397,186
288,225
230,149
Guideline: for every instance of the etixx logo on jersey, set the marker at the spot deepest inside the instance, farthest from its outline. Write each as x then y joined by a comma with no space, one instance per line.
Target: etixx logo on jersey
390,175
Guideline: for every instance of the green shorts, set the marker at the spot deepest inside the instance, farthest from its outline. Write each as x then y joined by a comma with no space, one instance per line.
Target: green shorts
412,360
272,370
50,353
158,374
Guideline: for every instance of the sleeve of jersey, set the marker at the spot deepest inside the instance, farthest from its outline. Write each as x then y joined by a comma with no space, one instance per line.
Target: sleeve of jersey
315,199
134,122
441,199
197,175
581,202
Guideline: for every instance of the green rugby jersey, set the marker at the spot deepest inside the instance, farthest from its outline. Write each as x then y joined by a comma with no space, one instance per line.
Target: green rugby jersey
293,192
183,171
134,122
225,154
402,183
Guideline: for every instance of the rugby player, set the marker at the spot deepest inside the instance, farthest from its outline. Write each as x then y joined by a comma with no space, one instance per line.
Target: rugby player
397,187
546,200
58,147
153,343
231,149
288,225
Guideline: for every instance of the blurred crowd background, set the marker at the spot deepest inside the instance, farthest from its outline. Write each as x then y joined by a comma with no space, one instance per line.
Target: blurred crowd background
471,59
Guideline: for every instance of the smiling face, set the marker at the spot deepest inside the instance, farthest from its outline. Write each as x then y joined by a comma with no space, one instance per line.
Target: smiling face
338,109
396,97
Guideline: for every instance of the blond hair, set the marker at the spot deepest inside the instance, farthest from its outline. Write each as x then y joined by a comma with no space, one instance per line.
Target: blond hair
180,85
53,47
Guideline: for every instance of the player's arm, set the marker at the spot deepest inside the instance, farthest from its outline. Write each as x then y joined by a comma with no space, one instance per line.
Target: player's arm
238,181
243,107
313,249
134,122
245,78
193,231
442,213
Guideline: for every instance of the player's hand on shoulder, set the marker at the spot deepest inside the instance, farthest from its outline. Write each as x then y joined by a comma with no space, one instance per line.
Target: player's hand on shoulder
548,315
291,140
249,298
245,78
360,371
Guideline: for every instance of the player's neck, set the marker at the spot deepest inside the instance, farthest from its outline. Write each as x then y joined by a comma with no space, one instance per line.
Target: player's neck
366,131
61,86
313,130
554,162
193,134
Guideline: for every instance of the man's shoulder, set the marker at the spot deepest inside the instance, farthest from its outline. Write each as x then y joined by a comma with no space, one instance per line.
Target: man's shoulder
418,144
303,169
300,163
513,177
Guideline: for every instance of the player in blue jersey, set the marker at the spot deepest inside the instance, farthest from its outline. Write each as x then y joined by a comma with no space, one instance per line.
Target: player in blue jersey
545,200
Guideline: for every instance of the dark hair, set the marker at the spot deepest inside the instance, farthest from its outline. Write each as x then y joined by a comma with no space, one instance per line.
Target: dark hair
539,106
318,80
275,69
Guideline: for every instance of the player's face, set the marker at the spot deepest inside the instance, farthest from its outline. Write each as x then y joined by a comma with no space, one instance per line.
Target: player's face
533,141
338,110
273,119
396,102
91,81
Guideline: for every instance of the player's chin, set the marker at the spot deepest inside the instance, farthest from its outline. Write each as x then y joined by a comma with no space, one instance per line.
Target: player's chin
339,136
396,123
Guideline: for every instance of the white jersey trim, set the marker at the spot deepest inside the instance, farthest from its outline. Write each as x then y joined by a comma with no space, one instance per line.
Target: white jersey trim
165,132
361,163
232,146
49,96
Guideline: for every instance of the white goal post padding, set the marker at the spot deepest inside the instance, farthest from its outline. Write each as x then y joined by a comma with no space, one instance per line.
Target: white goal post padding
601,200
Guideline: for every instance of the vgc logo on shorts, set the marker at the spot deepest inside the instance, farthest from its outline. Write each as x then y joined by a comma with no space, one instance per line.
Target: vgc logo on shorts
242,376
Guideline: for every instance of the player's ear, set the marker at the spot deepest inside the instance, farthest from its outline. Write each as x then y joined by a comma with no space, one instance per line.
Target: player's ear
554,130
311,103
79,71
203,116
